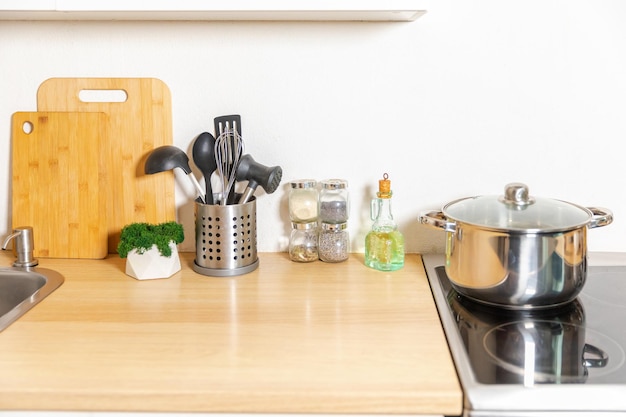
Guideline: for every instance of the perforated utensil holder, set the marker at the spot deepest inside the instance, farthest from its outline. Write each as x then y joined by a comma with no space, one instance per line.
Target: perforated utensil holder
225,239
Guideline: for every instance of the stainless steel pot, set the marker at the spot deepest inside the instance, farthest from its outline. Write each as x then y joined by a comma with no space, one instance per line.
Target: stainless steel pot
516,251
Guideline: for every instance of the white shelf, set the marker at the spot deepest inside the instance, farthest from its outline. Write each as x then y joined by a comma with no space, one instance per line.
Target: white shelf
306,10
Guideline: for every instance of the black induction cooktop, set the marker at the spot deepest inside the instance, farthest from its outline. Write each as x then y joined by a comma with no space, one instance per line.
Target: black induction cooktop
567,359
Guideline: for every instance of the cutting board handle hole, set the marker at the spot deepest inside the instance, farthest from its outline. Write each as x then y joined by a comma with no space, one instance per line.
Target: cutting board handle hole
27,127
102,96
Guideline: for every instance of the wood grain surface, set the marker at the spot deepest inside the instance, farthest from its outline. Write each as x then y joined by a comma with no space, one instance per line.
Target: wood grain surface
285,338
140,123
57,173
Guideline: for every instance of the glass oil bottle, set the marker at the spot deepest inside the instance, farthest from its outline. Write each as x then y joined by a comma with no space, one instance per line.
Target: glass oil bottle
384,244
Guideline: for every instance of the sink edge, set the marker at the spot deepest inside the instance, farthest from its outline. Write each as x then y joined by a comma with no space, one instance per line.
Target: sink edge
53,281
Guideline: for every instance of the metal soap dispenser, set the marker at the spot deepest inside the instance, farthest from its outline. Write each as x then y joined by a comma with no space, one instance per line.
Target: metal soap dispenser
384,244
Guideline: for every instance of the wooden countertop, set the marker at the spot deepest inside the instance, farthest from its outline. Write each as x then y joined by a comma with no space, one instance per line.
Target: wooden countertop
286,338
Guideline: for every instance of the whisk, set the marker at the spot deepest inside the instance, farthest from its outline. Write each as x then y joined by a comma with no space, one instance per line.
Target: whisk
228,150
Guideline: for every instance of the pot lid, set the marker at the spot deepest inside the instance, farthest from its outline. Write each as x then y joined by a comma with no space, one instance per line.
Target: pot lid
517,210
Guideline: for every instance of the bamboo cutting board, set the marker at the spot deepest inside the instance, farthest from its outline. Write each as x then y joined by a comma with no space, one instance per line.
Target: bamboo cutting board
57,174
138,124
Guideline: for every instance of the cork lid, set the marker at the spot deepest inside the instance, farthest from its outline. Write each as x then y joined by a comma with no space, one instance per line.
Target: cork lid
384,187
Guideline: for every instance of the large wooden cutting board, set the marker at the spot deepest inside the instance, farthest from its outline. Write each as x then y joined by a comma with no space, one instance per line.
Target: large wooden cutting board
137,125
57,173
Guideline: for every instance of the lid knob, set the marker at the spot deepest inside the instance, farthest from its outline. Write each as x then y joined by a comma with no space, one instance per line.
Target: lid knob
516,194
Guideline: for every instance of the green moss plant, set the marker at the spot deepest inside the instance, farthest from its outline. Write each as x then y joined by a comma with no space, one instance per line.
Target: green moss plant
142,236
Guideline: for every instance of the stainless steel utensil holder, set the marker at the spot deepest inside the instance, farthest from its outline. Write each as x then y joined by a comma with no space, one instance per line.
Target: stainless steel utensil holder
226,243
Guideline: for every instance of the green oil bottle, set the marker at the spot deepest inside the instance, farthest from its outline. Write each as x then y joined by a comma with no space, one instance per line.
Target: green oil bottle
384,244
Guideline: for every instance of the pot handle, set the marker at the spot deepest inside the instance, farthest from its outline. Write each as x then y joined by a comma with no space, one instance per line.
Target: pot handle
599,357
601,217
437,219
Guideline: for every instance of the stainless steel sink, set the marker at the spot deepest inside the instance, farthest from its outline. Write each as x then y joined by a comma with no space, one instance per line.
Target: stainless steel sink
23,285
22,288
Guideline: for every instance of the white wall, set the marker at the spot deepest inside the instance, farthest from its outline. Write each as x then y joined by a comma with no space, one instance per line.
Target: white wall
471,96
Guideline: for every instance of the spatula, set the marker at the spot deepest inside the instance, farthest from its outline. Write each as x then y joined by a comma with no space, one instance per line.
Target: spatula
222,123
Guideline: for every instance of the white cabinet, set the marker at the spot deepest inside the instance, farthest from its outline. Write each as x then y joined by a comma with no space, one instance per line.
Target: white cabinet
272,10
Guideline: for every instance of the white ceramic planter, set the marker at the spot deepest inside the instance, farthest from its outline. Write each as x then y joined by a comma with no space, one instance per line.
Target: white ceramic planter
151,265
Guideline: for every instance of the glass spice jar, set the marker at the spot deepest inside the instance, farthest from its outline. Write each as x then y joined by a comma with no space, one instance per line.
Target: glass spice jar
334,242
303,242
303,201
334,201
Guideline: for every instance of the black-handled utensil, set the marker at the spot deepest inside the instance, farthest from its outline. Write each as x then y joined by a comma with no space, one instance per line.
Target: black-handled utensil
257,174
223,123
203,154
168,157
